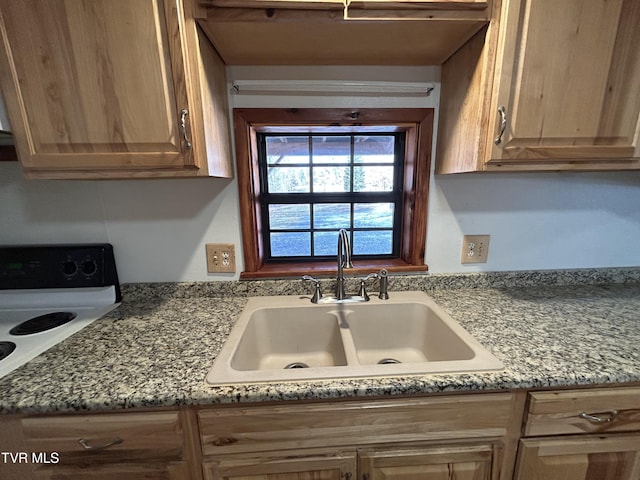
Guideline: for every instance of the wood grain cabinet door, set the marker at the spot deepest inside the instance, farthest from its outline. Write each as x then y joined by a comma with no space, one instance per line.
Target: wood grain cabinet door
124,471
96,88
429,463
612,457
567,77
292,466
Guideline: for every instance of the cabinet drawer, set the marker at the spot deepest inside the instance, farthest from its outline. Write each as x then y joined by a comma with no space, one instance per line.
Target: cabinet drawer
583,411
263,428
136,436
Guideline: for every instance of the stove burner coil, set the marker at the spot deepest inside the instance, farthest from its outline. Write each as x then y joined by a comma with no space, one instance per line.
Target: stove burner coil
42,323
6,348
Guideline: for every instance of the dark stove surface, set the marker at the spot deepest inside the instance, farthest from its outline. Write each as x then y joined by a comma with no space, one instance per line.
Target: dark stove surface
42,323
6,348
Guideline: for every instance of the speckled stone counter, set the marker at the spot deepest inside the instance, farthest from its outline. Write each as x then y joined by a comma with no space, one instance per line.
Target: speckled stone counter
548,328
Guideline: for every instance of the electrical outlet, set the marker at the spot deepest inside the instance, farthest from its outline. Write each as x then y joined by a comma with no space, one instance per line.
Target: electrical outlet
221,257
475,248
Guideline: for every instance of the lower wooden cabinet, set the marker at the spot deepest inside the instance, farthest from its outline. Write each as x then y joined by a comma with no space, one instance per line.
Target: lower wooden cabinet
441,437
329,465
429,462
125,471
153,444
605,457
581,434
473,462
587,434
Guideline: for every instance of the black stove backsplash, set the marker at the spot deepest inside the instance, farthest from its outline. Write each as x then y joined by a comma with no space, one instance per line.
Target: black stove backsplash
58,266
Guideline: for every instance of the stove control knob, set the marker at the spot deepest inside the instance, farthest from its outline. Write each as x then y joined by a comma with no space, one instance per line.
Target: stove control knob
88,267
69,268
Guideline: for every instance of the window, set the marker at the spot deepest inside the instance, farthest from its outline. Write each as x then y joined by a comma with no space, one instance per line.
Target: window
306,173
315,184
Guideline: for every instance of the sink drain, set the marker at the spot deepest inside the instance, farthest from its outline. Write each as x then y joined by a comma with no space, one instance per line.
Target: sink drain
388,361
296,365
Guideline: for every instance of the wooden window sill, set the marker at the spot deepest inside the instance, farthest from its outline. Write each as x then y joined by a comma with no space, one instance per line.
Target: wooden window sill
325,269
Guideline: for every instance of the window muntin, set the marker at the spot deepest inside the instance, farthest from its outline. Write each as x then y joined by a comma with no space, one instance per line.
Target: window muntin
314,184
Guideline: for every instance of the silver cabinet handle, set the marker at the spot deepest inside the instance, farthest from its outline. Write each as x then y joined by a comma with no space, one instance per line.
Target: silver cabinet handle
604,417
183,127
86,446
503,124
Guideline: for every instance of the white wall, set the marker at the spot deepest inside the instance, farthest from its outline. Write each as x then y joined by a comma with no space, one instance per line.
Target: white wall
536,221
159,227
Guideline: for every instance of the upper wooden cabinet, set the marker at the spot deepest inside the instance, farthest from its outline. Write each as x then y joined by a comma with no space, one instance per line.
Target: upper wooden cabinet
114,89
547,86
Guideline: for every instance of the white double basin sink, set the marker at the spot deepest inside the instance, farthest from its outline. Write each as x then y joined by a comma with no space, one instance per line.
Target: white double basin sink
287,338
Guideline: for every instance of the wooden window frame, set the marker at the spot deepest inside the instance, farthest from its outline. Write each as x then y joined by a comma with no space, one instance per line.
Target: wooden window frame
418,125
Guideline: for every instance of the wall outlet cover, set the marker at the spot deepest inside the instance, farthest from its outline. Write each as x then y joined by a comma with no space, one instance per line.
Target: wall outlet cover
475,248
221,257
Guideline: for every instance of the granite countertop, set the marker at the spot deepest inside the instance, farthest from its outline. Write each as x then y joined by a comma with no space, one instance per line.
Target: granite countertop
561,329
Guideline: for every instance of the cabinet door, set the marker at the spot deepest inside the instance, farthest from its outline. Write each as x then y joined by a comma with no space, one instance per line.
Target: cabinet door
96,86
171,471
567,77
614,457
432,463
321,466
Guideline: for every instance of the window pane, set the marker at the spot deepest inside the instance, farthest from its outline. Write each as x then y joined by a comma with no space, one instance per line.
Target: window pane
379,215
332,215
289,216
331,149
290,244
325,243
288,179
318,183
372,179
373,149
331,179
373,242
287,150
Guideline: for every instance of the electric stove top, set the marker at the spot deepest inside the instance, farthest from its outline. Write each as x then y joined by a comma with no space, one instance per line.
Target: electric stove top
49,292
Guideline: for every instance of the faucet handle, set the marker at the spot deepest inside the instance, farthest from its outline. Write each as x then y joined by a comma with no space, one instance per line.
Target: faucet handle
317,294
363,289
370,276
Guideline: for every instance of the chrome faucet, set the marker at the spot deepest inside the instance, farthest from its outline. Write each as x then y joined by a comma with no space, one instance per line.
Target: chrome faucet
344,261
